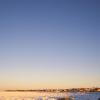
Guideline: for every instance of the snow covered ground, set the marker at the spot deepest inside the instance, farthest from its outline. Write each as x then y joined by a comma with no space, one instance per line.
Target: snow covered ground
47,96
85,96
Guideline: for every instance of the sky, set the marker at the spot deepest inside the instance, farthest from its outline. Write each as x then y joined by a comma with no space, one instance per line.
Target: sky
49,44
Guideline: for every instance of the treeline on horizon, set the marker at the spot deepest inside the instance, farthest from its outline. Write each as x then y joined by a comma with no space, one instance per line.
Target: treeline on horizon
59,90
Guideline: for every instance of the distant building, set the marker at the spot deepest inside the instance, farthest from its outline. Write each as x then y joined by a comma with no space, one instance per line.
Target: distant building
98,90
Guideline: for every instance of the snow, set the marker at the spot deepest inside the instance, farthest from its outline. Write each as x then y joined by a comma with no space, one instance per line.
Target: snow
85,96
47,96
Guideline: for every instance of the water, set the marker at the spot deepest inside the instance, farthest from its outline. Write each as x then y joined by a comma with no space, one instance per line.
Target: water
47,96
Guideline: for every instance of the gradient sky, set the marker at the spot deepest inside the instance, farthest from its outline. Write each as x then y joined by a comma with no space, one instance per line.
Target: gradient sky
49,44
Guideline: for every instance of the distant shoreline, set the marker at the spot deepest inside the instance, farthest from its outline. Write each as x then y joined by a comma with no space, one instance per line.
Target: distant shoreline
49,91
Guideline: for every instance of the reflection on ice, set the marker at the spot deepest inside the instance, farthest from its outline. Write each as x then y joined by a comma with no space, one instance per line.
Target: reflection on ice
48,96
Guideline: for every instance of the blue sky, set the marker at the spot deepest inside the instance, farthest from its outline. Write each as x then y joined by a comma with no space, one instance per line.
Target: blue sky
46,42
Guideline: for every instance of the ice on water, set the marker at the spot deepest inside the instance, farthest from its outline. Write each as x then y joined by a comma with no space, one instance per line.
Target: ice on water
48,96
